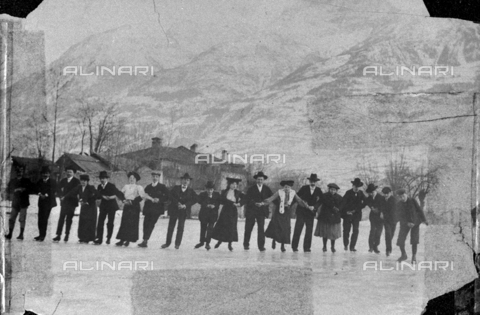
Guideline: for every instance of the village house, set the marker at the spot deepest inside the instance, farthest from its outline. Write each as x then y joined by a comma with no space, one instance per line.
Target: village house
174,162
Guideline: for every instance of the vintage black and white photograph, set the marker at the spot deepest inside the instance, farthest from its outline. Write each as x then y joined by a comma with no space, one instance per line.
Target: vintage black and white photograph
239,157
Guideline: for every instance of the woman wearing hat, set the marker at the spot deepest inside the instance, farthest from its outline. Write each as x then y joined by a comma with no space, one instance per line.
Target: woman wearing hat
133,195
279,227
87,196
328,225
225,229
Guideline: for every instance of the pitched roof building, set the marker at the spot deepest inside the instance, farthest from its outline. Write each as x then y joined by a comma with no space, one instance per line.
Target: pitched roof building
84,163
174,162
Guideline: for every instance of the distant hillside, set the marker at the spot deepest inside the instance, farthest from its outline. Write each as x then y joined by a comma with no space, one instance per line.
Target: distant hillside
260,90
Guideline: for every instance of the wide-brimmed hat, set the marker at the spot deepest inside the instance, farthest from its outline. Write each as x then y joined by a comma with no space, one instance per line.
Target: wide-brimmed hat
260,174
103,174
135,174
155,172
371,188
85,177
333,185
313,178
287,182
186,176
357,182
209,185
386,190
45,170
401,191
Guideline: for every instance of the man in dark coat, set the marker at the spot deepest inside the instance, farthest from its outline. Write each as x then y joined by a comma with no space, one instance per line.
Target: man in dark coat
313,196
156,195
108,193
374,202
68,203
256,194
209,201
46,189
388,211
182,198
352,205
410,216
18,188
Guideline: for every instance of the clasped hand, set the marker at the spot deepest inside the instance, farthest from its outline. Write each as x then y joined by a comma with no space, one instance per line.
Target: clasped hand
181,206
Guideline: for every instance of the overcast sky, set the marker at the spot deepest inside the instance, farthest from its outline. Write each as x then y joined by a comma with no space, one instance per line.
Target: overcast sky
66,22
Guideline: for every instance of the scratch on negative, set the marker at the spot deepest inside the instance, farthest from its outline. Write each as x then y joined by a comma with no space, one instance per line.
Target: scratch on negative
427,120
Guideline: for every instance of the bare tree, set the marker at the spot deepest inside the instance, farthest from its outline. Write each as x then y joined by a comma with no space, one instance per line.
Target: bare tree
99,119
418,183
108,124
368,172
38,119
57,84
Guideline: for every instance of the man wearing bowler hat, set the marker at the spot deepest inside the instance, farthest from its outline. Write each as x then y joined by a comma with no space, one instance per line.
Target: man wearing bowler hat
156,195
182,198
209,201
374,202
313,196
68,202
410,216
46,189
351,210
255,195
108,193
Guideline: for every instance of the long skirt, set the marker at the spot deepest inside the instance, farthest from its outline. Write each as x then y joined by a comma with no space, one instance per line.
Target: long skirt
330,231
279,227
87,223
225,229
129,225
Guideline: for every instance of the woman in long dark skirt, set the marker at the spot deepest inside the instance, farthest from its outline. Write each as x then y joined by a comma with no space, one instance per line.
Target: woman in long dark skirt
225,229
133,195
87,196
329,218
279,227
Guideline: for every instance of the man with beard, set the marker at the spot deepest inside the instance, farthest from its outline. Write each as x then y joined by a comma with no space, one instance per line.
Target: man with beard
353,203
255,195
182,198
68,203
108,193
156,195
313,196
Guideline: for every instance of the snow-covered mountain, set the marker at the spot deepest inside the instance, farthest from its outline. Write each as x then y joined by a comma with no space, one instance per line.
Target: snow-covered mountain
249,86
